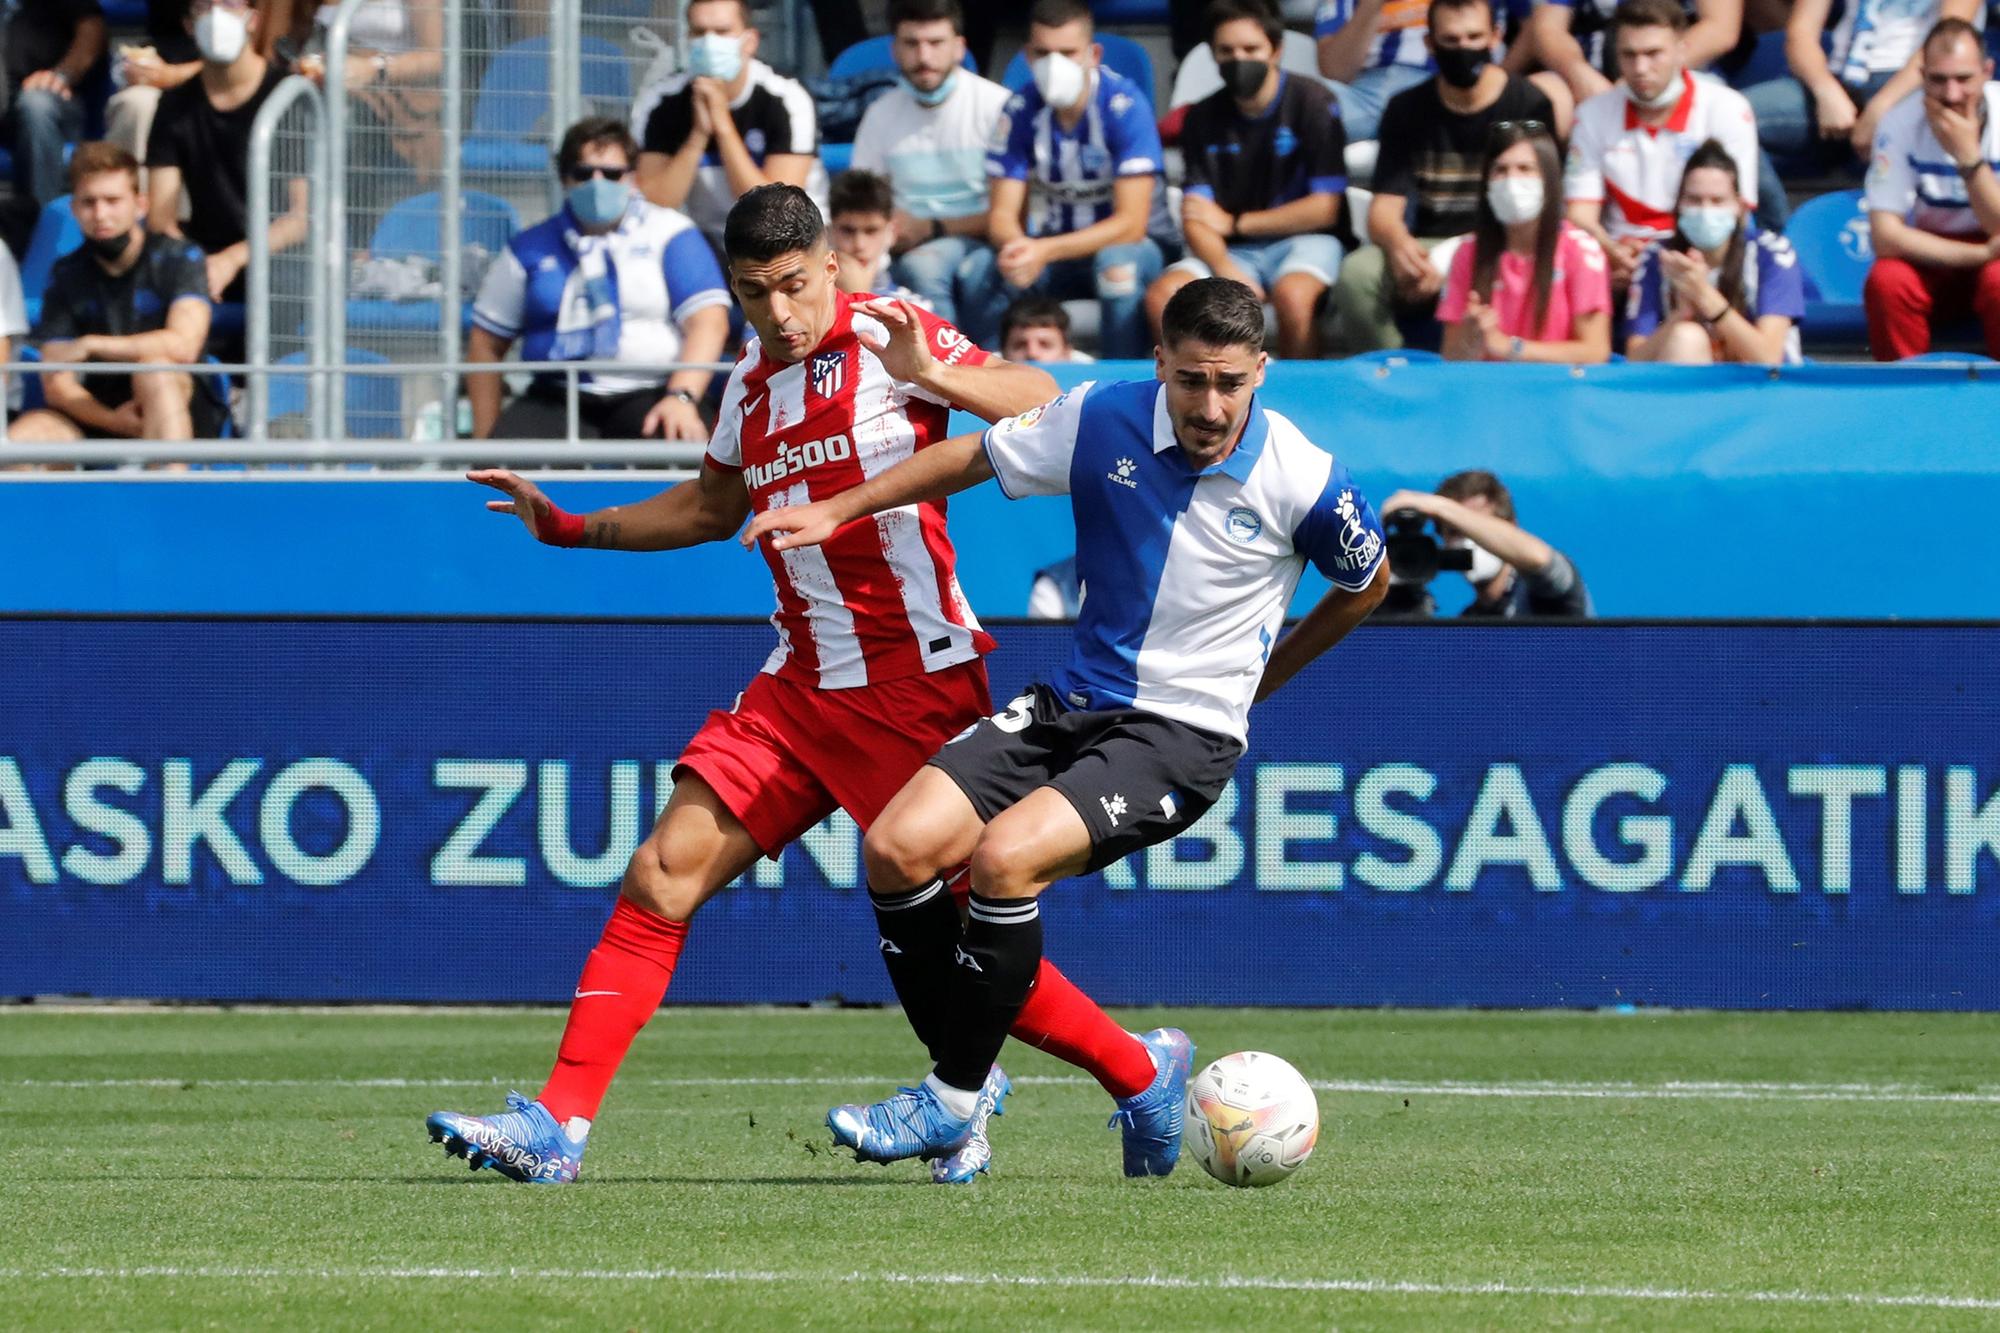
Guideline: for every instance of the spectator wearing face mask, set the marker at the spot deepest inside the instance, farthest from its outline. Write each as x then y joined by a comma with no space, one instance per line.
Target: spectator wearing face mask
1514,573
611,277
726,124
1528,285
1037,329
1266,179
1630,141
929,135
1427,181
200,150
1718,289
1073,172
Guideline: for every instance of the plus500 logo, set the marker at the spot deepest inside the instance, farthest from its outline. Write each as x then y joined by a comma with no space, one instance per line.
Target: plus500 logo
793,459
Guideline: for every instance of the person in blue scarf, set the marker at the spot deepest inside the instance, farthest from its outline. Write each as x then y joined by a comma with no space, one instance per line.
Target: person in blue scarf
611,277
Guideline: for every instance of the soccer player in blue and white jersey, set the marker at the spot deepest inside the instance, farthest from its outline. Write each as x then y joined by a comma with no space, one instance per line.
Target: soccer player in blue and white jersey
1196,511
1075,170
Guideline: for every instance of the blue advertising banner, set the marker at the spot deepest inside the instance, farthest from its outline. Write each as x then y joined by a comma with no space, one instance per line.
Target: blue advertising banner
1580,815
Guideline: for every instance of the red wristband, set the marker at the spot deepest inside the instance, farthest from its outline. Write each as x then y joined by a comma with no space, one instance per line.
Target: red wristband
562,528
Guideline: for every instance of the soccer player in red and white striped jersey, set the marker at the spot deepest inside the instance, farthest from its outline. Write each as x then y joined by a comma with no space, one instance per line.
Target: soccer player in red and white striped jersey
878,664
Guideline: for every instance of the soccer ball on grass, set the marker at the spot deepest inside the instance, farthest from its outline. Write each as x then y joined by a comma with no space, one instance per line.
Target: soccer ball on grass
1251,1119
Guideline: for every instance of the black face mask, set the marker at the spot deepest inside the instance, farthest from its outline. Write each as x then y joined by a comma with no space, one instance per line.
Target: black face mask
1461,66
1243,77
110,249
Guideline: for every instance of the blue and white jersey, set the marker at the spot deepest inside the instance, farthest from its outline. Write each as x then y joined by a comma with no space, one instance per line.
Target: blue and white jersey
1879,36
658,269
1773,284
1071,172
1185,575
1400,29
1912,176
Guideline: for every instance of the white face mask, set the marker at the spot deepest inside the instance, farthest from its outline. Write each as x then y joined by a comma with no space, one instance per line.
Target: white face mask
1486,566
221,35
1515,199
715,55
1709,227
1060,80
1665,98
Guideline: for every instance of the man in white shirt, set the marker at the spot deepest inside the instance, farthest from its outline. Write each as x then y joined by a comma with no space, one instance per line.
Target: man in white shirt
929,136
1631,142
1934,202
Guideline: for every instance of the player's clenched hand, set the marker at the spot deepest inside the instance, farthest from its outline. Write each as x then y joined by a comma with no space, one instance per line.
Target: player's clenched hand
907,353
794,525
525,501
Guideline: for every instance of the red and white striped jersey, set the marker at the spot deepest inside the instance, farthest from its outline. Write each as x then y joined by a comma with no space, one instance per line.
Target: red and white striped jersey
880,600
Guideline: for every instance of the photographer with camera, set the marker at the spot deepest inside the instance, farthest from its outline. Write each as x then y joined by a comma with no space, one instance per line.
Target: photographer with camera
1512,572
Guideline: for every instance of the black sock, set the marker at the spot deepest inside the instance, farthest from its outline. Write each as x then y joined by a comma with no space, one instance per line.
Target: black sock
997,962
919,932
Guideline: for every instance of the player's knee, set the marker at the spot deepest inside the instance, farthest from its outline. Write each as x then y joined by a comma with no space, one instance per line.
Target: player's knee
896,860
652,883
1688,345
1004,866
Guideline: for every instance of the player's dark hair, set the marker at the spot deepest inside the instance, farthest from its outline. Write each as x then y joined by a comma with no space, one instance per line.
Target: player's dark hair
1489,237
1436,5
1476,482
1056,13
860,192
1712,156
1259,13
1649,14
926,11
1034,312
1946,32
1217,312
589,133
772,220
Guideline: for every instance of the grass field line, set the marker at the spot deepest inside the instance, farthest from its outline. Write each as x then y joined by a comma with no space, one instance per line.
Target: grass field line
1156,1281
1514,1089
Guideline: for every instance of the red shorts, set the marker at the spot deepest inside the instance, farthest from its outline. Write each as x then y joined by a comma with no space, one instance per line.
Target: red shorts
789,755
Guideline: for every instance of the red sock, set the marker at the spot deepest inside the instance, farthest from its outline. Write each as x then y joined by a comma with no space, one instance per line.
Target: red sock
1062,1020
623,981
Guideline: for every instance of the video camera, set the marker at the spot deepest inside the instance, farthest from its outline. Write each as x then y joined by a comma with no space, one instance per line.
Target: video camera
1416,557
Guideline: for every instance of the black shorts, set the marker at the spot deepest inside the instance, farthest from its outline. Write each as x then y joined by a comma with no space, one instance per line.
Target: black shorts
1136,778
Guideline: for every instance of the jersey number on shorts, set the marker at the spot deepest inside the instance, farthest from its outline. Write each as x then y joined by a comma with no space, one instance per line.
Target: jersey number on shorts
1018,715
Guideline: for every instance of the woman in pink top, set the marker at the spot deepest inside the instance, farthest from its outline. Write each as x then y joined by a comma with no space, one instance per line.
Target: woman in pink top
1526,285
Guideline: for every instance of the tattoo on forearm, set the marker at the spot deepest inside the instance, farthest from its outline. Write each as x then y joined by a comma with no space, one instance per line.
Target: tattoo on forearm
603,533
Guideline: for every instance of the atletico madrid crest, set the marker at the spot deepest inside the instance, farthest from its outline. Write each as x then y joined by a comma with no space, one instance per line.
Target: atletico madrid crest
829,371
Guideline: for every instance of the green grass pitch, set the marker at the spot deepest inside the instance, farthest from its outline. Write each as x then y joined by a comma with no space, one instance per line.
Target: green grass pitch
270,1169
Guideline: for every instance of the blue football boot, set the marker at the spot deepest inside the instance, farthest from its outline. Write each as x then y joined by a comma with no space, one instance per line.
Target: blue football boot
524,1143
913,1123
1152,1120
977,1153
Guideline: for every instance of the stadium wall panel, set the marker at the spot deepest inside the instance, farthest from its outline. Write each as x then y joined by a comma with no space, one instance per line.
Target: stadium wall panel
1742,816
1821,491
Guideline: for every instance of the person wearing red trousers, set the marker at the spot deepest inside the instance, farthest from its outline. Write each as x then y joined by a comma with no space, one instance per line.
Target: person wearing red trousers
1934,201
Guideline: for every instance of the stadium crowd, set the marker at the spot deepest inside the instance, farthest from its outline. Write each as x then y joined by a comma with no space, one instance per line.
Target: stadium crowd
1567,181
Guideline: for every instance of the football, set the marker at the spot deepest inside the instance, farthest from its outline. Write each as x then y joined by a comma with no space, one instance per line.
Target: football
1251,1119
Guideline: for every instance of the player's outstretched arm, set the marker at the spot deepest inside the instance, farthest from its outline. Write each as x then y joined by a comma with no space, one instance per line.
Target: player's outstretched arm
992,391
1324,626
708,509
943,469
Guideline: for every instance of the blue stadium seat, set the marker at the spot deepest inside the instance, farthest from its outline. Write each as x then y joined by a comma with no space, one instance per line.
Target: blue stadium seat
374,402
124,13
1131,13
1835,249
837,157
509,132
55,235
412,227
871,54
1120,53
